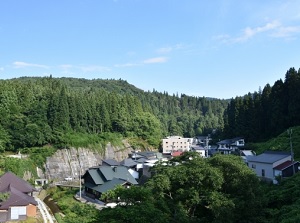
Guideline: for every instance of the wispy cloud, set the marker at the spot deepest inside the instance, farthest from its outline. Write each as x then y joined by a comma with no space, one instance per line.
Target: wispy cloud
155,60
251,32
164,50
70,69
19,64
1,68
168,49
273,29
127,65
65,66
288,31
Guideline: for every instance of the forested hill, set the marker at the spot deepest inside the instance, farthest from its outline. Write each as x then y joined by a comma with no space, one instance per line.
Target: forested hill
265,114
39,111
118,86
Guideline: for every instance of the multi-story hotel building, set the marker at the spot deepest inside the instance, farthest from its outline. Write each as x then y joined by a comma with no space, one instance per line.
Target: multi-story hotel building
176,143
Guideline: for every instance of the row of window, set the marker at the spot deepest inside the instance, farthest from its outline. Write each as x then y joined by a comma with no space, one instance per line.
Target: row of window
176,147
176,142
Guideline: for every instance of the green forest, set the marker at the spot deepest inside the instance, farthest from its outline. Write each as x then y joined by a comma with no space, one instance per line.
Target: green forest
41,114
221,189
67,112
262,115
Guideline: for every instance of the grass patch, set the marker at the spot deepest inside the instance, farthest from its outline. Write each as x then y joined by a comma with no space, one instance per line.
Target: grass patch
96,142
280,143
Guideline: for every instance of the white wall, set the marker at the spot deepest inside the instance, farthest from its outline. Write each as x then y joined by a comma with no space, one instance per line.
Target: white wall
176,143
259,167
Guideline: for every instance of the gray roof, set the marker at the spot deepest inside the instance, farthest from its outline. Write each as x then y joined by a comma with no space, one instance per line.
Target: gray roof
106,186
229,141
142,160
196,147
111,162
103,174
95,176
268,157
128,162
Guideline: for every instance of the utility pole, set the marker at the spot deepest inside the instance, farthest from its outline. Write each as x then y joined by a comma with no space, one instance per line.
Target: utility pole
78,156
290,131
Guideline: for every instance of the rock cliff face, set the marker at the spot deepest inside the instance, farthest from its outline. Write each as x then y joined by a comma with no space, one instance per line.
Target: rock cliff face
70,163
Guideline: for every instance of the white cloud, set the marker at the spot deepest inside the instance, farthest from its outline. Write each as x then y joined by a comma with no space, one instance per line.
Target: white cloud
251,32
70,69
274,29
156,60
286,31
164,50
168,49
66,66
19,64
1,68
127,65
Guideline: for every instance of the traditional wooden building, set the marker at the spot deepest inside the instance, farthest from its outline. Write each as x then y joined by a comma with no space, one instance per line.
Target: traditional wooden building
17,202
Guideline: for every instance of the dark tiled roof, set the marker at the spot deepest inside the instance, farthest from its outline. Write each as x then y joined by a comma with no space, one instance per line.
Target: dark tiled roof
95,176
285,165
111,162
197,147
103,174
229,141
107,186
141,160
268,157
16,198
147,154
128,163
18,183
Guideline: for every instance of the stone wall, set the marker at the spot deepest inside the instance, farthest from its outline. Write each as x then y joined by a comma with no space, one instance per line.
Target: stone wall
70,163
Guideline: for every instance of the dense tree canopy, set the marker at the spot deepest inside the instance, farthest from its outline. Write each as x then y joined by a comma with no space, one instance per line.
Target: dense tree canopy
192,189
40,111
267,113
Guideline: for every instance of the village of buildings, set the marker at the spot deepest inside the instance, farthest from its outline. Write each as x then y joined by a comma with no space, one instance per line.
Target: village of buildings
136,169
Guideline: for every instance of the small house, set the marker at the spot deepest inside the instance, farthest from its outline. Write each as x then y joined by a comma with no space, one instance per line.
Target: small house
19,203
270,164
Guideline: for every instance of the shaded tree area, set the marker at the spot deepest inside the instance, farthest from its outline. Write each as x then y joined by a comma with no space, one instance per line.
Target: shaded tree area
267,113
192,189
40,111
283,201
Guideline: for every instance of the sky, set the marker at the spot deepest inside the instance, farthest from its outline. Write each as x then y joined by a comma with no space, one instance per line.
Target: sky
219,48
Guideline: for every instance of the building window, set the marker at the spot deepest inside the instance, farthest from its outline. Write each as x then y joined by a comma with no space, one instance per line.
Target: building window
263,173
253,166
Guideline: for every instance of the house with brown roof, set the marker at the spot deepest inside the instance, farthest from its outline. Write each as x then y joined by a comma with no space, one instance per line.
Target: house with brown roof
18,203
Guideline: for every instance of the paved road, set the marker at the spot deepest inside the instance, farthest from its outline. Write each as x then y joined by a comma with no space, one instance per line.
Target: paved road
47,217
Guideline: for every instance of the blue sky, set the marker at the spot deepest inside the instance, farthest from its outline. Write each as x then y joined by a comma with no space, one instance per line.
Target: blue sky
220,48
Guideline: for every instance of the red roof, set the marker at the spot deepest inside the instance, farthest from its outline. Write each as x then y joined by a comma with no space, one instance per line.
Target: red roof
284,165
176,153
